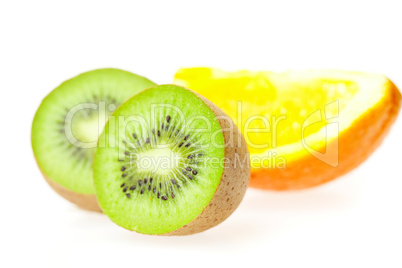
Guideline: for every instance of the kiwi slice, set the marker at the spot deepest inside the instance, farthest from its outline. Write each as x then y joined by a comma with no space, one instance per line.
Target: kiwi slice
170,162
67,125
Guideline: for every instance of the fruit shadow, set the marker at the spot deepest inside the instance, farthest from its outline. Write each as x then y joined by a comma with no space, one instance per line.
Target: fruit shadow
261,214
310,200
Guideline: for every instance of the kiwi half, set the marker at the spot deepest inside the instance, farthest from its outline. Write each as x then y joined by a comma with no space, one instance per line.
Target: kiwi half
170,162
67,125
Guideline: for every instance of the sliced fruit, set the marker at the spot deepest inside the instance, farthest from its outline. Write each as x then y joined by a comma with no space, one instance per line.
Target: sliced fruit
165,163
67,124
303,128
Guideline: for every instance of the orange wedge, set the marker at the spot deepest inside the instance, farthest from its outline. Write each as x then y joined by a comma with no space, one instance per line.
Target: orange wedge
303,128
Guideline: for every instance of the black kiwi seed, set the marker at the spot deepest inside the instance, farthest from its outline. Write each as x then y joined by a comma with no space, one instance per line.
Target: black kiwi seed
128,195
190,177
153,190
124,142
145,181
148,140
150,180
167,127
172,195
149,187
126,153
164,197
134,136
188,168
132,188
195,172
181,144
159,195
160,185
188,144
159,133
124,174
190,156
123,168
184,172
125,189
142,190
168,118
173,181
163,126
186,137
140,182
122,185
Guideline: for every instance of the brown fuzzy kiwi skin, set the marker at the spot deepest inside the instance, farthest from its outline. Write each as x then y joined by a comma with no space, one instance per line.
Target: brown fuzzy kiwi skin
85,201
234,180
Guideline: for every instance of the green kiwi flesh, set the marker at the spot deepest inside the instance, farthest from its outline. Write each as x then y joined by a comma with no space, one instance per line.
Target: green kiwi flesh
160,162
68,122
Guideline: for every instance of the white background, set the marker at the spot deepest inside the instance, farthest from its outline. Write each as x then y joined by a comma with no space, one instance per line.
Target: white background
354,221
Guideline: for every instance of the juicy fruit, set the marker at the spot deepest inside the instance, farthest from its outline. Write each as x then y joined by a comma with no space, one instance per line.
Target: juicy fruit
303,128
164,165
67,124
